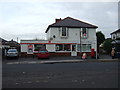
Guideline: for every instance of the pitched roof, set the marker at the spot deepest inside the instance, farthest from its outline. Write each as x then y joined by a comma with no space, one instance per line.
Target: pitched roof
71,22
116,31
2,40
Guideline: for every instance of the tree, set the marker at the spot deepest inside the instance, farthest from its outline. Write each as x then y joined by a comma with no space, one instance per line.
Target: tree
100,39
107,46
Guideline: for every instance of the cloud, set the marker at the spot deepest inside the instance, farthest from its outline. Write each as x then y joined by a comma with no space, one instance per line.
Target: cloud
103,14
30,20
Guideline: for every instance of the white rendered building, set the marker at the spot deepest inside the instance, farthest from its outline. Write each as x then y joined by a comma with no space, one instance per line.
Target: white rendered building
65,37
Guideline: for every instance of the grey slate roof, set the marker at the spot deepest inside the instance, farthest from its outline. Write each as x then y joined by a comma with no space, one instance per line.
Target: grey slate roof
116,31
71,22
2,40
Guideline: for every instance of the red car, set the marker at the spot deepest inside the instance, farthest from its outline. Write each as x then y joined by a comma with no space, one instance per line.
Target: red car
43,54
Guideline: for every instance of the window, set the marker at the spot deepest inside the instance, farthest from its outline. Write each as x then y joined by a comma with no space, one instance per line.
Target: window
59,47
64,32
37,47
63,47
73,47
88,47
67,47
84,33
84,47
78,47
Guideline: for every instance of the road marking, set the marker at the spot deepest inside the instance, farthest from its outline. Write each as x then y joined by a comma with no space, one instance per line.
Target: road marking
42,62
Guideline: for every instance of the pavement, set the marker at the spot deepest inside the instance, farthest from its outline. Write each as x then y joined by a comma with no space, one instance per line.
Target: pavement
68,59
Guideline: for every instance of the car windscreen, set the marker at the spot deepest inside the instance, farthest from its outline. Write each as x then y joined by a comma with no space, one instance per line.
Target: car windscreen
12,50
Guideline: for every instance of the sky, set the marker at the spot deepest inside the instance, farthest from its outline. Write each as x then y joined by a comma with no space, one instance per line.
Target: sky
30,19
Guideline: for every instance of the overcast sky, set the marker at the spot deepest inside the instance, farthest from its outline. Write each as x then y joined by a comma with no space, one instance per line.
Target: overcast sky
29,20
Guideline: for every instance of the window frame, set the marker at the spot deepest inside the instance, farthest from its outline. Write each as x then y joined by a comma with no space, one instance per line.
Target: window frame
63,47
61,32
84,32
87,47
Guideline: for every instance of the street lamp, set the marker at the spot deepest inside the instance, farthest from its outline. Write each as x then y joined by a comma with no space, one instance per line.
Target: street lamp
80,43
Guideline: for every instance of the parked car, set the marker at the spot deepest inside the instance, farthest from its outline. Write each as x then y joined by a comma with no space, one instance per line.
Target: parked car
43,54
12,53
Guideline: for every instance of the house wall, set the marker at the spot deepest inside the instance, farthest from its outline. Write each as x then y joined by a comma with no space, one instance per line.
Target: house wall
73,36
118,35
115,35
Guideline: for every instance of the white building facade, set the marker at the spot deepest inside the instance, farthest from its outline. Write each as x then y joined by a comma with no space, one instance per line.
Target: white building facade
65,37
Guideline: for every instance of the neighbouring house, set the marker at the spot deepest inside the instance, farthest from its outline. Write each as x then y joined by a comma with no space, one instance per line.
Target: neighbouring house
116,41
115,35
65,37
5,45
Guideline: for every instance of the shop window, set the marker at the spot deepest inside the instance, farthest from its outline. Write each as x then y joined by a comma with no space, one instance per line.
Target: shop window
88,47
78,47
37,47
67,47
63,47
84,47
59,47
73,47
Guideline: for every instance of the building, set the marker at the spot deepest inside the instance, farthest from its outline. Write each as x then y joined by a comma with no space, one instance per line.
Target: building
65,37
116,40
115,35
4,43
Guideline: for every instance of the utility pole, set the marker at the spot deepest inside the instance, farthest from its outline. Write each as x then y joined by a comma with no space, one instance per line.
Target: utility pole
96,49
17,39
80,43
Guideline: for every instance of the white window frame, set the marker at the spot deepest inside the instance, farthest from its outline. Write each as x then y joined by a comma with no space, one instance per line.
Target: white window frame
61,31
84,37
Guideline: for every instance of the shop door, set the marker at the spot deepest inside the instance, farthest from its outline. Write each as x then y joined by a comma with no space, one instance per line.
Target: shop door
73,52
30,49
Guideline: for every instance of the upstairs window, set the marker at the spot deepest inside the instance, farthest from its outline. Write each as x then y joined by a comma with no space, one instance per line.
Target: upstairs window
84,33
64,32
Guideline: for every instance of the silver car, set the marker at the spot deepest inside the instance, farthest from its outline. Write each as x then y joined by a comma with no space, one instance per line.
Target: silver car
12,53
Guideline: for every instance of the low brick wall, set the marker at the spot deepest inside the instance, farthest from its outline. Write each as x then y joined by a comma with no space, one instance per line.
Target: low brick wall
60,53
88,53
24,54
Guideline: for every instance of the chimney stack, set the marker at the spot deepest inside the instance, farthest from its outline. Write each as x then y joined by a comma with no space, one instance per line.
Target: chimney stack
57,20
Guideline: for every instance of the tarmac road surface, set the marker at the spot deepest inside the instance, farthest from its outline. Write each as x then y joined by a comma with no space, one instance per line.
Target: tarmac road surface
61,75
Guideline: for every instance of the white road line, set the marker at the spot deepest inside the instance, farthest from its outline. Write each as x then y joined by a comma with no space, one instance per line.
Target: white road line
41,62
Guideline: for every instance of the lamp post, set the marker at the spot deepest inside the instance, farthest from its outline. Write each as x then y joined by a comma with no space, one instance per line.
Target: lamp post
96,49
80,43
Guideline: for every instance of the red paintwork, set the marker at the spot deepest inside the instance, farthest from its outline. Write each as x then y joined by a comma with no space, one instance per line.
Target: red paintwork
48,43
43,55
92,52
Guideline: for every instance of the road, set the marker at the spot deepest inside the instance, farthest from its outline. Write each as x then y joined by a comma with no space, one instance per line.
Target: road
61,75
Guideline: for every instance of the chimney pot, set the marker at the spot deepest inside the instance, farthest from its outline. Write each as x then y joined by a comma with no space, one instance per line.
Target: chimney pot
57,20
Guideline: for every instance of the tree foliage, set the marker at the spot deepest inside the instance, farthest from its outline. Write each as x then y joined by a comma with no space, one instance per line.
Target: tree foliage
100,39
107,46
